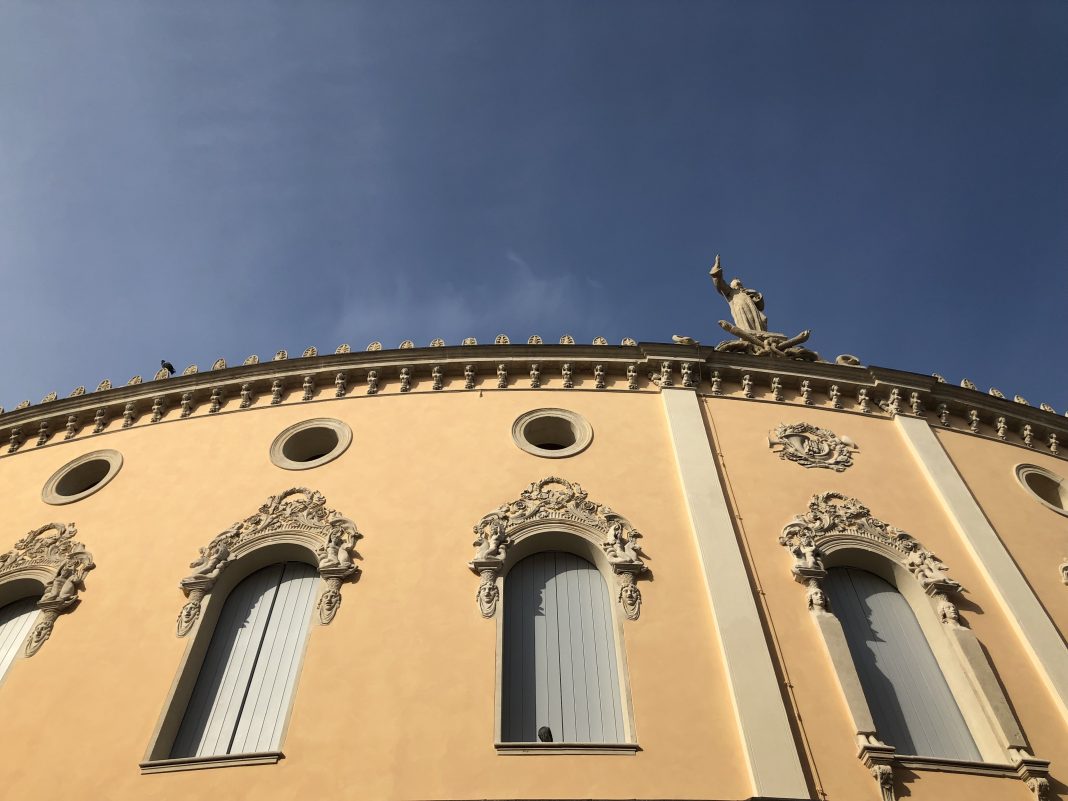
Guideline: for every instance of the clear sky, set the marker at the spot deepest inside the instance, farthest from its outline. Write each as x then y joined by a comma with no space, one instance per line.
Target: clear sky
189,180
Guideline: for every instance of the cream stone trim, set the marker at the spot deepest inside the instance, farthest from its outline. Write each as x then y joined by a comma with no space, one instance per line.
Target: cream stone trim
51,496
1040,637
201,763
547,749
764,727
580,428
344,439
1021,472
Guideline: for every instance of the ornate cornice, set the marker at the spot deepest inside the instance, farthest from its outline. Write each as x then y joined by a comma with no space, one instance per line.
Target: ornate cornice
51,555
298,513
607,368
548,500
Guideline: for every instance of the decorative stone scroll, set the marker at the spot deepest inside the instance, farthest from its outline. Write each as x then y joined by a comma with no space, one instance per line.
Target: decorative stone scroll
810,446
298,512
51,555
834,520
551,499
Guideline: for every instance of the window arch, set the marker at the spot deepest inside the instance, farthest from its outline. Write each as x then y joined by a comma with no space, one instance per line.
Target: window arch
561,663
247,678
559,655
912,705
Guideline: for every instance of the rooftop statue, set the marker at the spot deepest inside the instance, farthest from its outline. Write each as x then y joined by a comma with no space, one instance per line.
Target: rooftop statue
751,324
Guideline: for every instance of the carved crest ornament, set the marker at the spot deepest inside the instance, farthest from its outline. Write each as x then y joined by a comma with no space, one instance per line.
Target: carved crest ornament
810,446
49,553
556,499
298,511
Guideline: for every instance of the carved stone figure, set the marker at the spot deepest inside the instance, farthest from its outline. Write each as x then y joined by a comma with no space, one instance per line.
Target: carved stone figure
187,404
488,593
469,376
973,421
246,395
535,376
834,394
502,376
437,377
1053,445
14,440
632,376
943,414
565,371
863,401
621,546
309,388
967,383
72,427
776,388
128,415
276,392
806,392
916,404
405,379
817,598
747,385
215,402
1002,428
43,433
51,547
1028,436
687,374
372,382
947,611
747,305
893,403
717,383
811,446
340,385
100,421
630,597
884,776
598,376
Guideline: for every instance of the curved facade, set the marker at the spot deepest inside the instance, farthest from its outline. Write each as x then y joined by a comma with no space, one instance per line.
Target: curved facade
534,571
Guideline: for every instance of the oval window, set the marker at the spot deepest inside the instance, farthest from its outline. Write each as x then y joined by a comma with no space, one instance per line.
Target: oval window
82,477
310,443
552,433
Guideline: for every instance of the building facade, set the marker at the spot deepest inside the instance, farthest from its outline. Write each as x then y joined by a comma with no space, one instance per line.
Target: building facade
519,571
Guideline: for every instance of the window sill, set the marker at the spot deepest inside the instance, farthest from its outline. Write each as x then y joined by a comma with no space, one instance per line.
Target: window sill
541,749
204,762
955,766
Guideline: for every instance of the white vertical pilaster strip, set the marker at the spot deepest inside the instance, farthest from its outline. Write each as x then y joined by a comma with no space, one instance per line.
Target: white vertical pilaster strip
1032,624
770,751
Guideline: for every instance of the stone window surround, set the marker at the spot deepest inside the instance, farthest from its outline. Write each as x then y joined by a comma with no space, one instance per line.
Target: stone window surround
959,654
50,494
557,535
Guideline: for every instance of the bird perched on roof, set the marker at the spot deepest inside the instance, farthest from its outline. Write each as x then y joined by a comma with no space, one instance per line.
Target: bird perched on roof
545,734
166,365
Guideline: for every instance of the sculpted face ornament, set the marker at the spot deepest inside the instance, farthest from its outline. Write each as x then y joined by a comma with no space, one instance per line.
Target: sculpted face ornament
488,594
810,446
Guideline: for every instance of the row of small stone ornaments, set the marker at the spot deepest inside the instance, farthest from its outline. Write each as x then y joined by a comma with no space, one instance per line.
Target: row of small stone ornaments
220,364
997,393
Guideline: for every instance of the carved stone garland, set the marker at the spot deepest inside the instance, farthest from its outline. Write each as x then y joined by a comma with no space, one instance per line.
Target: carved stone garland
50,550
298,509
555,498
810,446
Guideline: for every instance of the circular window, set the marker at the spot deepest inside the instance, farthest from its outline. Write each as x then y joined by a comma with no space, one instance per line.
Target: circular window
82,477
310,443
553,433
1049,488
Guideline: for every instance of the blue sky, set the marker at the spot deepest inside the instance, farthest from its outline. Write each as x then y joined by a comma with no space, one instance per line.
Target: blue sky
202,179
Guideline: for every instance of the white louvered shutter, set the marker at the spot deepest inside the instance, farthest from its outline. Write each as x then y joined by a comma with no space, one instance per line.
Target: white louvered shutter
16,620
560,665
910,701
247,678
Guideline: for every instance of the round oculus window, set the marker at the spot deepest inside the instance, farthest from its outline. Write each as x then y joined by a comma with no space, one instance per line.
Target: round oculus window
310,443
1046,487
552,433
82,477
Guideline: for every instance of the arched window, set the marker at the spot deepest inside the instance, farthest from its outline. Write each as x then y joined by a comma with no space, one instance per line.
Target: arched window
16,620
242,693
560,668
909,698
